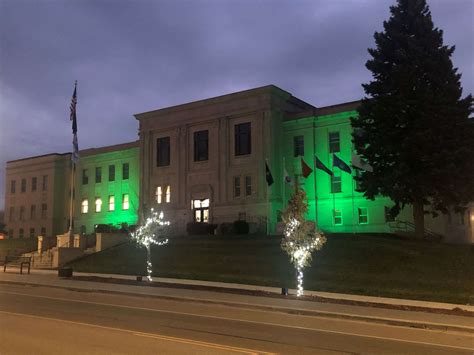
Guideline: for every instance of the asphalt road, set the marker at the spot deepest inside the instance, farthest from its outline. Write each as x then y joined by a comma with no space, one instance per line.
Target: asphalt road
41,320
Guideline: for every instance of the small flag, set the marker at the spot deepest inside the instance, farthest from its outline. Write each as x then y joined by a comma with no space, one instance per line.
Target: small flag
305,169
268,174
337,162
286,176
73,118
319,165
357,162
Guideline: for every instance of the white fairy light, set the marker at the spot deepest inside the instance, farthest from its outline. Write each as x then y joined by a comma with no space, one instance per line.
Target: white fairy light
151,233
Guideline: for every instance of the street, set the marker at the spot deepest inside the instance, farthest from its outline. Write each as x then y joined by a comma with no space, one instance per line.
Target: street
43,320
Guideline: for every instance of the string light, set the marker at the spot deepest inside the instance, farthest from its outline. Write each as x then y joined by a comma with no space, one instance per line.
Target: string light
151,232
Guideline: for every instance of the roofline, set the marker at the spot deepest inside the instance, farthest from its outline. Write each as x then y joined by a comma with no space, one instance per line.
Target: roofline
326,110
109,148
38,156
207,101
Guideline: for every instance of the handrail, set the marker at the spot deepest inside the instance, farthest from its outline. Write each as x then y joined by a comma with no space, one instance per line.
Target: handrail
410,227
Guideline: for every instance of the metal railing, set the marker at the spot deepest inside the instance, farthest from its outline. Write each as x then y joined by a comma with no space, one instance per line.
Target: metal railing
409,227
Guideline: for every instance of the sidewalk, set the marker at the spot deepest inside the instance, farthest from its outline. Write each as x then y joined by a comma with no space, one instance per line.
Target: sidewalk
425,316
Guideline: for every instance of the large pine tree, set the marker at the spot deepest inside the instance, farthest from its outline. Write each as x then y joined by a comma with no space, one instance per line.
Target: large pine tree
413,125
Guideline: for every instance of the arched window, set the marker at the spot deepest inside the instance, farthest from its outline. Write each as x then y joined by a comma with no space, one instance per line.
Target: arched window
84,206
98,204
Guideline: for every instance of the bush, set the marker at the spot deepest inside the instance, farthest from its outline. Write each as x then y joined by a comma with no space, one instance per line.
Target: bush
227,228
241,227
200,228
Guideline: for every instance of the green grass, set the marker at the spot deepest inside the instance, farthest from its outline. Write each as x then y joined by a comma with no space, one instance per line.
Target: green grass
363,264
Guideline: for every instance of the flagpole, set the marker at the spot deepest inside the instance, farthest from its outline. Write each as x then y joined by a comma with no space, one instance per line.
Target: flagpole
353,216
315,187
73,160
267,199
71,207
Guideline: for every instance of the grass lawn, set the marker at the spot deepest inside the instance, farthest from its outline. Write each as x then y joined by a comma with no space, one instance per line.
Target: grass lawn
376,265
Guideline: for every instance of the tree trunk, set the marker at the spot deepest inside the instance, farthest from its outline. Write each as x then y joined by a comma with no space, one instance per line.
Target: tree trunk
419,218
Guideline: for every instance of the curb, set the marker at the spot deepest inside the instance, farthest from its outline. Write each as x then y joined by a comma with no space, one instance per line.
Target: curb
286,310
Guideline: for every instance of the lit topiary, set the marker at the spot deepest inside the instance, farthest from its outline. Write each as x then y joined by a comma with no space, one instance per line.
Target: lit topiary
301,238
151,232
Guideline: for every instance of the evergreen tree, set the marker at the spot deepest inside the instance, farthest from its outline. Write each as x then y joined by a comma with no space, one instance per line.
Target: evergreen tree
413,125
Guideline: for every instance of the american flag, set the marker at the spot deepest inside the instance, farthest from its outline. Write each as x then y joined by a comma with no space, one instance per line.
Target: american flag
73,118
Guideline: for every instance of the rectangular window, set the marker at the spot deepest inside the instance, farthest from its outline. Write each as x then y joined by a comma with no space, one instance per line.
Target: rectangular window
358,183
334,142
363,215
12,214
111,172
33,212
85,177
83,230
98,204
111,203
12,186
32,233
388,215
23,185
159,194
163,151
84,206
34,182
45,182
298,146
21,233
201,145
22,213
44,210
243,139
125,204
236,186
125,171
337,217
168,194
98,175
248,185
43,231
335,184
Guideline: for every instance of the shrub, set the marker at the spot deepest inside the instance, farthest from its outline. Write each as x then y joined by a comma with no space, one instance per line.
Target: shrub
200,228
227,228
241,227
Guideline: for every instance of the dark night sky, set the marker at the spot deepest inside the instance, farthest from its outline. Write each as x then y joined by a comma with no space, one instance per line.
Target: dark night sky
136,56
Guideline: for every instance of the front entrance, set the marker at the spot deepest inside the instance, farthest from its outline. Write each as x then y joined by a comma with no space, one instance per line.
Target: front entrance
200,210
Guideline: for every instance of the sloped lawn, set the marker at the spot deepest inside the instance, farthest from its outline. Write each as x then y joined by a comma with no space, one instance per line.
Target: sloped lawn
377,265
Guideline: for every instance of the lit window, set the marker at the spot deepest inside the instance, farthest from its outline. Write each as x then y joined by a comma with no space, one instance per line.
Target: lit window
111,203
334,142
337,217
248,185
168,194
159,194
84,206
335,183
98,204
363,215
125,202
236,186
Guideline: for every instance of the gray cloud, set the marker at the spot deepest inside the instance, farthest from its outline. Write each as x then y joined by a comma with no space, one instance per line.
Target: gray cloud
135,56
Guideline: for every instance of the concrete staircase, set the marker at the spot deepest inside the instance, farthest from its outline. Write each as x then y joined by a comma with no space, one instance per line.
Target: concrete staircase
43,260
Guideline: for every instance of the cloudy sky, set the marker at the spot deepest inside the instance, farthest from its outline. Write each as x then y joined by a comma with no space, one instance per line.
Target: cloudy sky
140,55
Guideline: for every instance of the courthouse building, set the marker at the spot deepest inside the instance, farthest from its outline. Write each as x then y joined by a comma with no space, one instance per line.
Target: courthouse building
205,161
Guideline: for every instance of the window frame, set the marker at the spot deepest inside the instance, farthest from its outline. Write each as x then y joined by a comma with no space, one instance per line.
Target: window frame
243,139
201,145
237,189
111,202
361,216
335,183
334,146
248,185
125,202
112,172
337,214
98,174
163,151
298,146
85,177
125,171
34,183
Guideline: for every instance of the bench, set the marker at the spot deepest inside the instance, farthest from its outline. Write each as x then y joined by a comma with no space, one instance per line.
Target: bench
17,261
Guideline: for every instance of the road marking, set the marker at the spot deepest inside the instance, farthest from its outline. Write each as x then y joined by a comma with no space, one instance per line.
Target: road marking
243,321
149,335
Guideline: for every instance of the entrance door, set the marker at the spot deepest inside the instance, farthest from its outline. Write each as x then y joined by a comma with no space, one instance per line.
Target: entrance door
201,210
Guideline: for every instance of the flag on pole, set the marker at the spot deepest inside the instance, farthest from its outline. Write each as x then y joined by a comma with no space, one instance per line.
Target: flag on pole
305,169
357,162
319,165
339,163
73,118
268,174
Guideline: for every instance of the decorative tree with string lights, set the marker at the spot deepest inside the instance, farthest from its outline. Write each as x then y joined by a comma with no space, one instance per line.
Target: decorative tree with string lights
301,237
151,232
